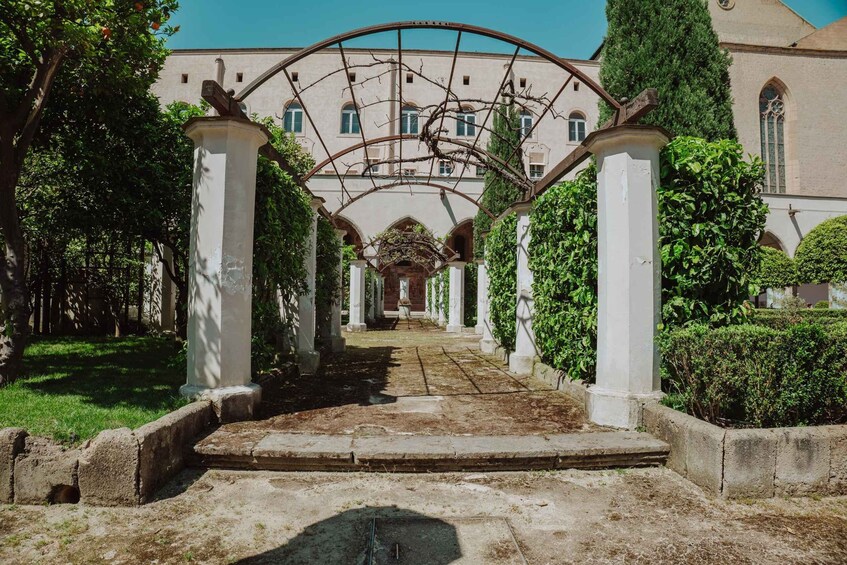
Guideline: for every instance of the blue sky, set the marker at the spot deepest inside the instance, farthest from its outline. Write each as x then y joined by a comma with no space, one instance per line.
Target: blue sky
569,28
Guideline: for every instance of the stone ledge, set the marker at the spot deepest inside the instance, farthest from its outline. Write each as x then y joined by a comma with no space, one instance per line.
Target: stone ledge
753,463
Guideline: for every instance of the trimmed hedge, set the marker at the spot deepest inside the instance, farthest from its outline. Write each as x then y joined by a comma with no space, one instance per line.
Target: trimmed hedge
563,260
749,375
822,255
502,261
776,270
780,319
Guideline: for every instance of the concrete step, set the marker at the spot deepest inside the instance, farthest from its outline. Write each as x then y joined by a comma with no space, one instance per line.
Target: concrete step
277,451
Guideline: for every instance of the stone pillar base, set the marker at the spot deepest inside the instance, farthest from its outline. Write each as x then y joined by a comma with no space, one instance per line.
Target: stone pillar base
488,346
521,364
357,327
455,329
618,409
478,329
308,361
337,344
231,404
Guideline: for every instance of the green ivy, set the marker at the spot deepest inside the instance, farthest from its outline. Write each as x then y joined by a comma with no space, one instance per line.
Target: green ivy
776,270
563,260
348,254
370,281
445,292
822,255
328,251
470,294
501,259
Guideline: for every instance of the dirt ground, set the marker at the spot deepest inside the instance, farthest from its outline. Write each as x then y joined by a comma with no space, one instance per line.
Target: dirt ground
407,376
628,516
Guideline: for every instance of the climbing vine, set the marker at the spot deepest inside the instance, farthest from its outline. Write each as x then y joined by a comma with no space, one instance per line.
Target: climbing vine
501,258
445,292
470,295
328,252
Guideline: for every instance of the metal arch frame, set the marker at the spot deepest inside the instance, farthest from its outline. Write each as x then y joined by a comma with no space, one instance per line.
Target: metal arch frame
410,182
407,136
458,27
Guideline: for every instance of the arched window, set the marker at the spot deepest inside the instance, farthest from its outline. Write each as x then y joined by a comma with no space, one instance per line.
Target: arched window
526,123
466,123
292,121
772,131
409,120
349,119
576,127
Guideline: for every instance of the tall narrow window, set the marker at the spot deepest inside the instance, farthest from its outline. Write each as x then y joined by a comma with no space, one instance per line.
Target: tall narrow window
349,119
466,123
292,121
576,127
409,120
526,123
772,131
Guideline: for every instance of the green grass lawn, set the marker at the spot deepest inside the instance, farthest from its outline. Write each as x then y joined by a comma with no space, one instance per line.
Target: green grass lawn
74,387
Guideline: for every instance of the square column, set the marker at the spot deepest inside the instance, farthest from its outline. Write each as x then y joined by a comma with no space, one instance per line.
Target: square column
379,305
307,358
629,273
337,342
456,315
426,297
404,306
371,314
481,296
220,280
162,303
523,358
357,296
442,307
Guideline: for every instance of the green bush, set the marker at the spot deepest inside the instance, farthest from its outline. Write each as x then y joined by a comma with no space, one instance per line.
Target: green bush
822,255
776,270
328,255
563,260
470,294
781,319
749,375
821,305
710,218
501,259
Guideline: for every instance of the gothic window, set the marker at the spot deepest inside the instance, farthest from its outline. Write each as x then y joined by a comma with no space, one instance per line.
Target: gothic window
292,122
349,119
772,131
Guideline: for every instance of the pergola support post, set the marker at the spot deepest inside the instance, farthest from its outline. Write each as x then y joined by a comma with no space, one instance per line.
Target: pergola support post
442,307
337,341
629,274
379,303
481,296
307,358
357,296
220,281
456,315
523,358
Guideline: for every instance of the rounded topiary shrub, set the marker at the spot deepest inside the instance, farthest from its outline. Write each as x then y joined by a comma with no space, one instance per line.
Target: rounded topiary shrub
822,255
776,270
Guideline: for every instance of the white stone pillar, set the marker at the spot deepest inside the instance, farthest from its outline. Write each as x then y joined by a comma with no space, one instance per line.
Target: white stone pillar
220,281
380,297
774,297
837,294
442,307
426,298
629,274
337,341
372,308
307,357
404,305
162,306
357,296
456,306
523,358
481,296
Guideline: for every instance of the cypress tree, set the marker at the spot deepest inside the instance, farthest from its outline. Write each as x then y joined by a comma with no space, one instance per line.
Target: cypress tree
499,193
669,45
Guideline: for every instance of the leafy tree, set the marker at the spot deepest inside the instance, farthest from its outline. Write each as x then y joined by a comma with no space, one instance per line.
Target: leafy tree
88,46
499,193
776,270
672,47
822,255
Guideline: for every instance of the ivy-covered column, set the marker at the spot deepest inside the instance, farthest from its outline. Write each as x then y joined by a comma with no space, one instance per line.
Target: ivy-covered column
307,358
481,296
357,296
380,297
629,273
442,302
220,280
456,304
337,342
426,297
522,359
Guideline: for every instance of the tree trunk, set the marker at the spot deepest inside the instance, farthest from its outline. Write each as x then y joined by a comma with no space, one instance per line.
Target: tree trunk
14,303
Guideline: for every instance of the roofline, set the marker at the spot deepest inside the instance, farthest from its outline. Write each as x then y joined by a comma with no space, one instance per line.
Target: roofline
783,50
596,54
268,50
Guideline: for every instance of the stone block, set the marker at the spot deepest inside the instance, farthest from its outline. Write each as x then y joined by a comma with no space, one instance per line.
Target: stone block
802,461
12,442
46,474
704,454
108,469
553,377
670,426
234,404
837,460
749,463
163,443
